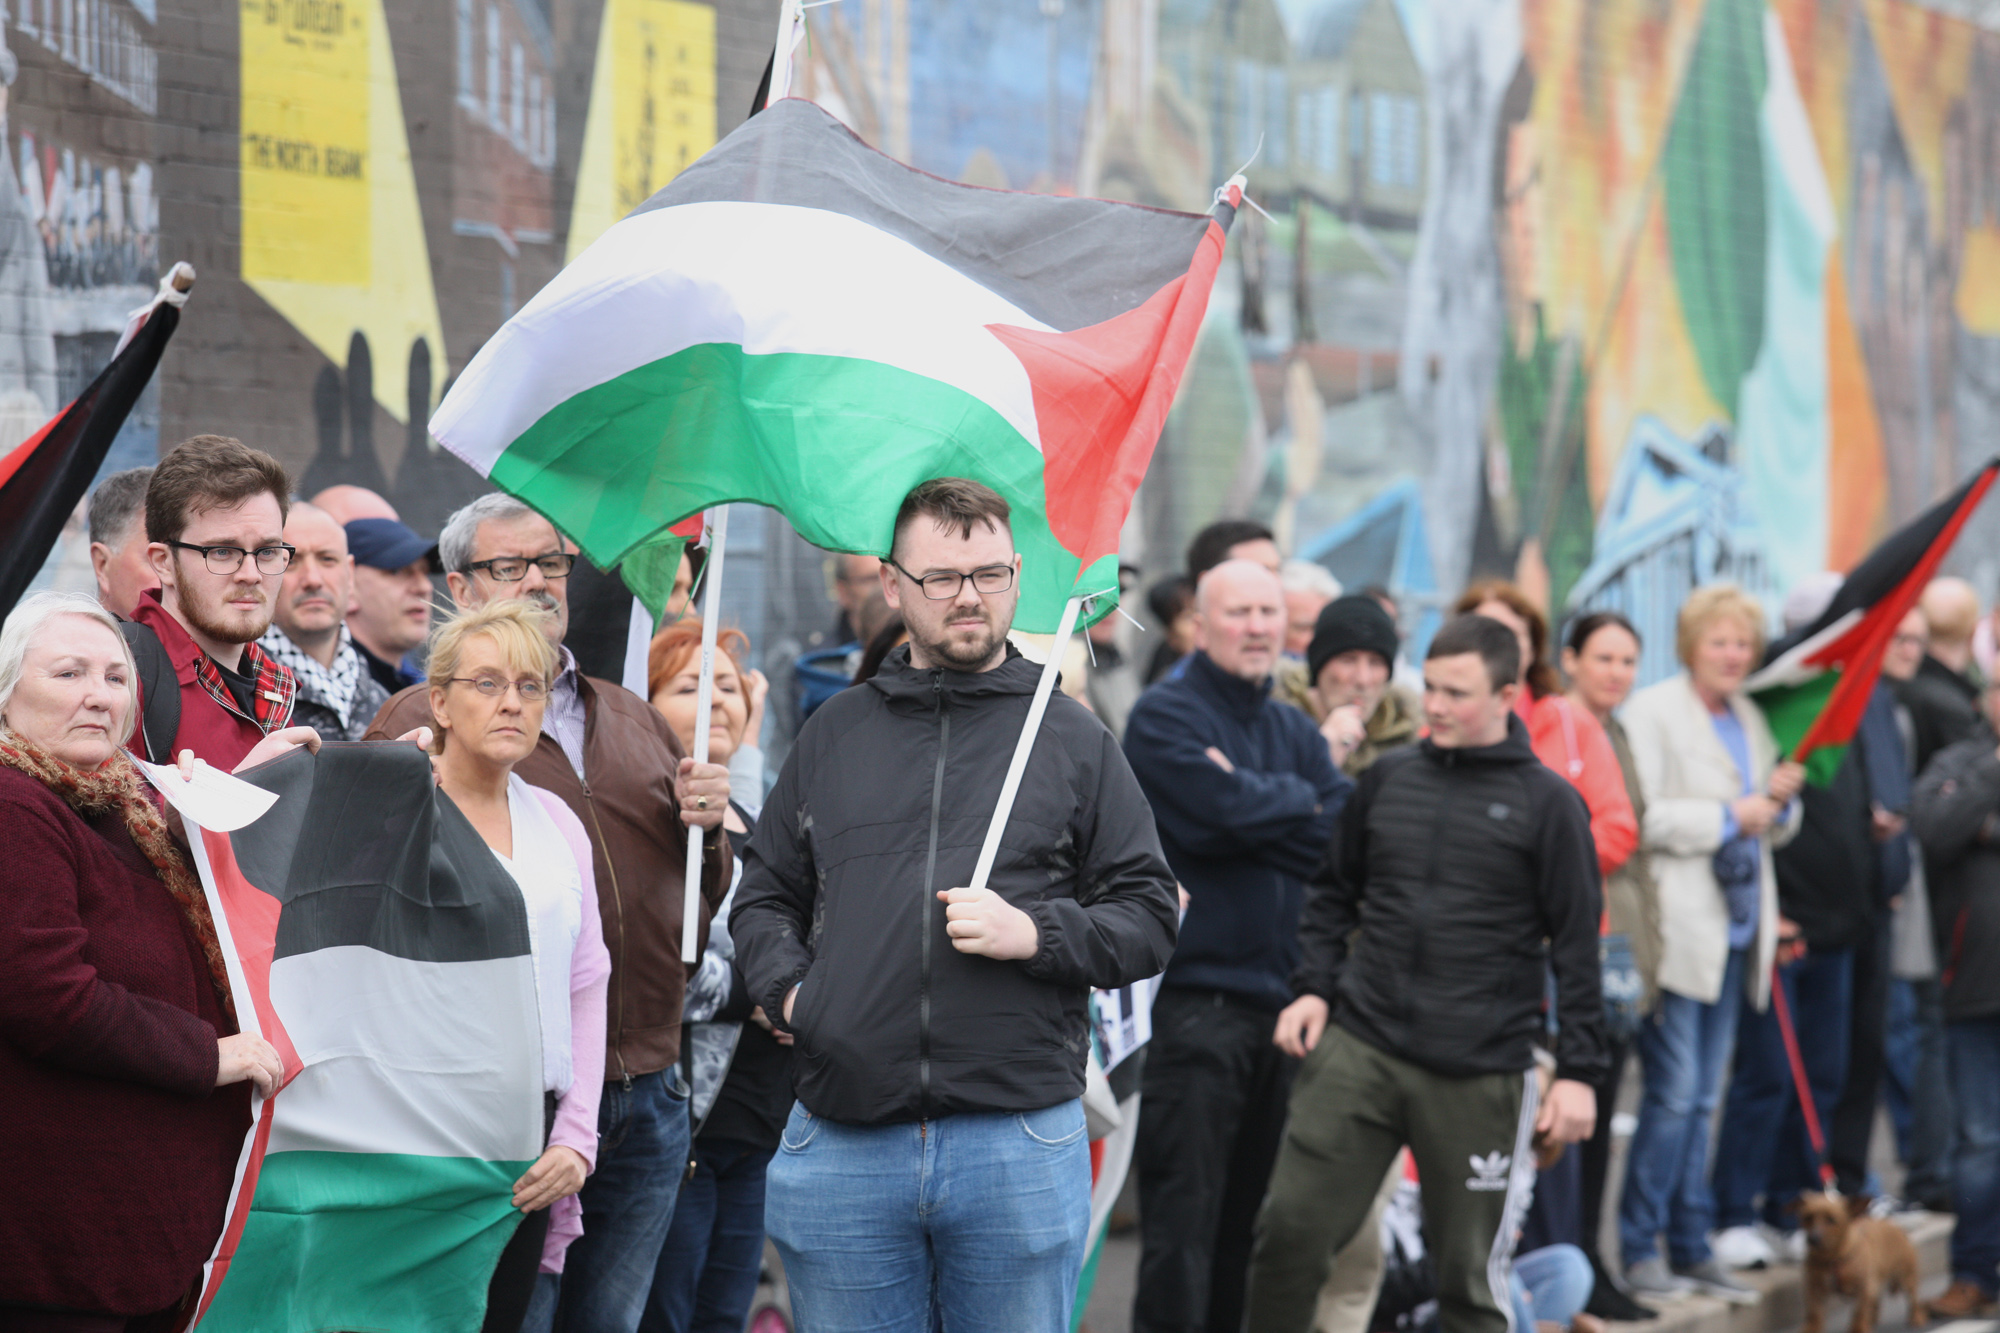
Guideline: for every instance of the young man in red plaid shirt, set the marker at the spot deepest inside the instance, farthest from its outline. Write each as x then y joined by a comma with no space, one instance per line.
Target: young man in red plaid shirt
215,528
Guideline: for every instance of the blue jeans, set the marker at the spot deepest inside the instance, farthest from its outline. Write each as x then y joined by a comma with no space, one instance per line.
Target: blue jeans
708,1267
1683,1048
1763,1149
975,1221
1917,1088
1550,1284
1974,1048
642,1154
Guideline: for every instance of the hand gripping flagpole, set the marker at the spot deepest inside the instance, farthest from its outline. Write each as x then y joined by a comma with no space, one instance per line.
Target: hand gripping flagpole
1018,765
704,699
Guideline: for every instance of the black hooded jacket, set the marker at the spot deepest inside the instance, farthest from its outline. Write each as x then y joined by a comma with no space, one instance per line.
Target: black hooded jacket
1467,874
1956,816
884,800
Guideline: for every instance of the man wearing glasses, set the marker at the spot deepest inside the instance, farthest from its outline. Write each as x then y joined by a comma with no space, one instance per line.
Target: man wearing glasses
215,531
935,1169
615,762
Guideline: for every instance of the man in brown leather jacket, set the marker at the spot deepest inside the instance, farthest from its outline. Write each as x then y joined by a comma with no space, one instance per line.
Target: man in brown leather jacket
615,762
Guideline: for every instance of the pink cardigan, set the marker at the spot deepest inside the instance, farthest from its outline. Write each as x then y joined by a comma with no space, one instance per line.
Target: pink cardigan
589,984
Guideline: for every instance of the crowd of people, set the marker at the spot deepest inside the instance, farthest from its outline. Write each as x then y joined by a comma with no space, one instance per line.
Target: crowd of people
1413,922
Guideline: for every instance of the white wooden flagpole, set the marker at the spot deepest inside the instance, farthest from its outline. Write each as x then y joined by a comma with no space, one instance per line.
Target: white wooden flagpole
791,30
1023,747
711,612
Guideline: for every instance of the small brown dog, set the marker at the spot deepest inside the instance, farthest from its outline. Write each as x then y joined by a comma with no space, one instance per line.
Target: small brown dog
1852,1254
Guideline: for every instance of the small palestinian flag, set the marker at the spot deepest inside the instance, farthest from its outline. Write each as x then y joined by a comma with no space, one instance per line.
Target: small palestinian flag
373,938
804,323
45,475
1815,684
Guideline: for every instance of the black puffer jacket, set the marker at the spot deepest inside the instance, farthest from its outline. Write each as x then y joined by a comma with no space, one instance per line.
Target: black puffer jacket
1467,872
1956,816
884,800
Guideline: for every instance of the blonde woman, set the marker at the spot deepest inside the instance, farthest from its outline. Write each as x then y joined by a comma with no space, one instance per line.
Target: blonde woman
491,669
1717,800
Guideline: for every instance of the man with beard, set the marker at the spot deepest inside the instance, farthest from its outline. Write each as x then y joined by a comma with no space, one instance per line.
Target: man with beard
616,763
215,531
935,1170
337,697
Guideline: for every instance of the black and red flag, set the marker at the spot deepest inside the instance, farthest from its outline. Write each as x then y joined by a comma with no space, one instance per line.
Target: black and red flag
1815,683
44,476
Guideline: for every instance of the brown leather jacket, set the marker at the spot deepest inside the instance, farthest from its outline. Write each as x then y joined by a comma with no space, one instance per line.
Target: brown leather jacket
631,813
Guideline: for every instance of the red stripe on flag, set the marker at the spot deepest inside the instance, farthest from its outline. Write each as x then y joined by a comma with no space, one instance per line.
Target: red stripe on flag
25,450
1863,646
239,1212
253,929
1101,397
690,527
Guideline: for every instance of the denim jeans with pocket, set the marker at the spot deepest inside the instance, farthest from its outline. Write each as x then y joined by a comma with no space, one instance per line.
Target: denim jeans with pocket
642,1155
1683,1049
973,1222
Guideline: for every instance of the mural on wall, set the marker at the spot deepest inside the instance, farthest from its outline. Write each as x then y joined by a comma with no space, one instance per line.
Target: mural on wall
1609,296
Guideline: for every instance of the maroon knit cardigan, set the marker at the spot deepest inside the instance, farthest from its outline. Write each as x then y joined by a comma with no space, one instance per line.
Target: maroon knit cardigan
119,1147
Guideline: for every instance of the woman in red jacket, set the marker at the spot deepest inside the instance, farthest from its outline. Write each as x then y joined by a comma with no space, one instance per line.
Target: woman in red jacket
124,1085
1566,738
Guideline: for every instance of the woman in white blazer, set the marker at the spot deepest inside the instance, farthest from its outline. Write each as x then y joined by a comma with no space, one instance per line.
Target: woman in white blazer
1717,800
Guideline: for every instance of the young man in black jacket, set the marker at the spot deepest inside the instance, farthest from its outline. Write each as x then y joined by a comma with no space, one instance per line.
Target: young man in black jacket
1464,871
1246,793
935,1167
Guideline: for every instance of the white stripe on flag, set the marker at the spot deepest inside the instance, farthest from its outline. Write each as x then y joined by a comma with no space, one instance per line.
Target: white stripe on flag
770,277
429,1059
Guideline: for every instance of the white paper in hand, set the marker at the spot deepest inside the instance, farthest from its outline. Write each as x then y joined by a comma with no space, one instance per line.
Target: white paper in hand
212,798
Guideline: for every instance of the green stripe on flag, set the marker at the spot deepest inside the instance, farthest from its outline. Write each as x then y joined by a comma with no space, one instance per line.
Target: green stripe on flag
368,1241
1791,710
614,465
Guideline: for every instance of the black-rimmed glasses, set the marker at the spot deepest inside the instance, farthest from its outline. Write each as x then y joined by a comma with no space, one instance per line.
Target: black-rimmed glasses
943,585
514,568
228,559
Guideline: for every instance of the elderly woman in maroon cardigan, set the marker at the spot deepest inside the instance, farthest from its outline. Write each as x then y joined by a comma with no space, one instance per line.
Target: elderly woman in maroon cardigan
124,1085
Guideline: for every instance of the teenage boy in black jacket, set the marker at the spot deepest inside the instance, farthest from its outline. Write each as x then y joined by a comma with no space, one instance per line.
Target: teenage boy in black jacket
1464,871
1246,794
935,1168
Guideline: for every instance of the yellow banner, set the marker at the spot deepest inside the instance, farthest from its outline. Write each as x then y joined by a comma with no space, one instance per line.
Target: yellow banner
306,167
652,108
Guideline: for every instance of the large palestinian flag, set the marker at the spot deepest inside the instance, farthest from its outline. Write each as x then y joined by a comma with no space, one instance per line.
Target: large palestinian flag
1815,684
376,942
43,477
800,321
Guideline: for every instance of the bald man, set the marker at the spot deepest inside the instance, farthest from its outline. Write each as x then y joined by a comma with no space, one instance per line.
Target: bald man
1943,695
347,503
1245,795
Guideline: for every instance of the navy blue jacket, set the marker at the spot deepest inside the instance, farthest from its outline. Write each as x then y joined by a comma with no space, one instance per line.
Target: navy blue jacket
1241,843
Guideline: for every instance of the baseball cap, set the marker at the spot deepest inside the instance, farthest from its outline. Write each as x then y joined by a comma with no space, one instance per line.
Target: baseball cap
383,543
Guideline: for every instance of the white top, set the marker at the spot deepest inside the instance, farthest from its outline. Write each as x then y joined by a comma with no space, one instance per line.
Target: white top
544,867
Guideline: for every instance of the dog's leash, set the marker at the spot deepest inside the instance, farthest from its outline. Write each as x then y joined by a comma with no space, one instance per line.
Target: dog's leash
1801,1085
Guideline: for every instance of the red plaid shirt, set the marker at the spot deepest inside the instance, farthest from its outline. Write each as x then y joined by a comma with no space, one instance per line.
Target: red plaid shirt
270,700
213,725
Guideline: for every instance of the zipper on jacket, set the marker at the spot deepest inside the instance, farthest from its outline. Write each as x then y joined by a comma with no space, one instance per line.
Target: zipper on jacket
618,969
1438,833
930,897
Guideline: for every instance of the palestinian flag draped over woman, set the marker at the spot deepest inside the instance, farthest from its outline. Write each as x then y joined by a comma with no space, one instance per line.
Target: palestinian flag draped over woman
802,322
1815,683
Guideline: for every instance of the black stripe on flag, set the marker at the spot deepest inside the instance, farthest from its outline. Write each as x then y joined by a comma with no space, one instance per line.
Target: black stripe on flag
42,493
1887,565
1070,263
364,848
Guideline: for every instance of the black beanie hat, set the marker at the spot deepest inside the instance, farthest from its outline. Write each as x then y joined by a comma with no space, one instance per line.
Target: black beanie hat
1347,623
